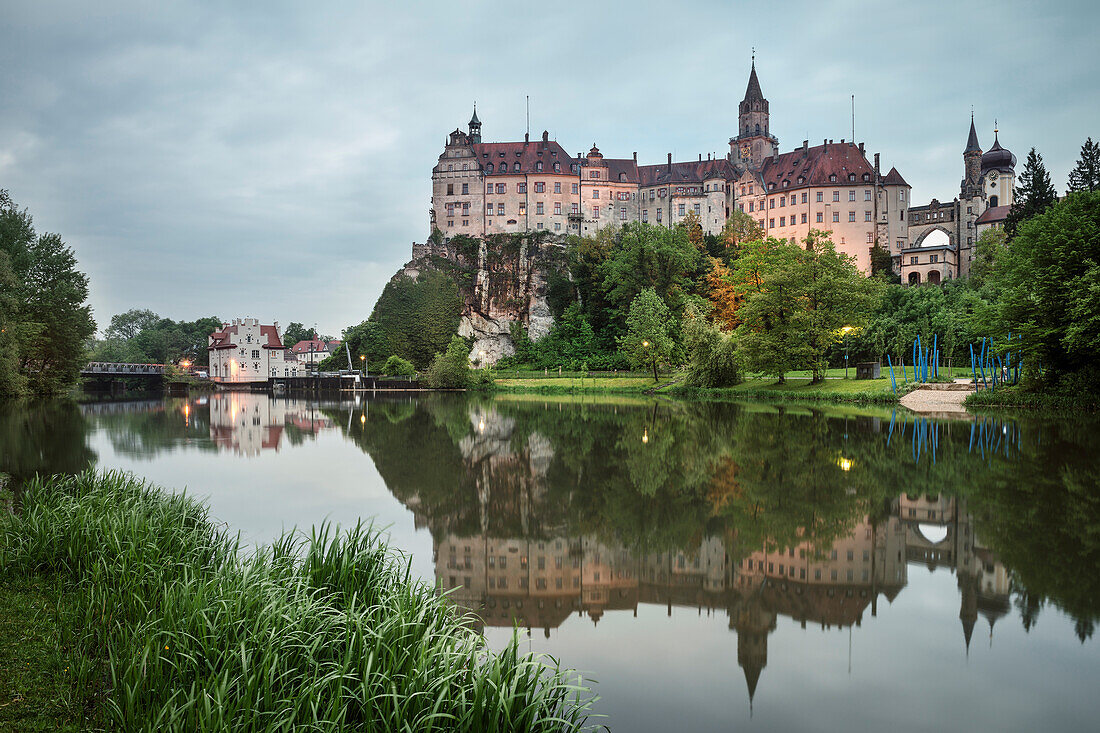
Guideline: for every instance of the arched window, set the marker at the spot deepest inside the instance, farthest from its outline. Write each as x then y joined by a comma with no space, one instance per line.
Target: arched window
516,167
992,201
934,277
914,278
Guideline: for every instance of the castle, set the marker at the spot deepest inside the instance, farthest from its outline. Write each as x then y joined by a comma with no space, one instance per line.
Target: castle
480,188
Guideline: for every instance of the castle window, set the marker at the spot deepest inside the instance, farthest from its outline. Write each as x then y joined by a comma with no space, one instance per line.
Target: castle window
866,216
805,196
465,166
804,218
851,176
488,188
681,210
933,258
782,221
836,195
771,223
450,189
557,166
521,188
771,204
595,193
501,155
851,195
538,209
771,186
901,194
658,214
751,205
866,176
557,187
866,194
575,208
832,177
622,213
465,189
593,174
595,212
697,209
489,209
851,216
622,176
992,201
645,216
522,208
500,209
540,187
501,187
801,179
820,196
557,228
516,167
836,217
870,238
466,209
557,208
782,200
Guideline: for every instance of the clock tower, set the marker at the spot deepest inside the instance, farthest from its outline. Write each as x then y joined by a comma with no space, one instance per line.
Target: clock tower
754,141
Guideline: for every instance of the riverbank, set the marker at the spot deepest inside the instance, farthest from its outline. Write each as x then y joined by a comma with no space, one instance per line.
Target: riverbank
1020,396
185,630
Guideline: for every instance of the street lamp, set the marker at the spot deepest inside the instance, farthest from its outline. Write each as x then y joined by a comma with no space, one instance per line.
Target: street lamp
363,362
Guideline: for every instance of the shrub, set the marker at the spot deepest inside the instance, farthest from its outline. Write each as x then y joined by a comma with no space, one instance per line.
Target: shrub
712,354
395,366
451,369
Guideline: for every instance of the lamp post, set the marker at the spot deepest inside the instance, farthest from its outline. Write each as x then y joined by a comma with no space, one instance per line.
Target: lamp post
645,345
363,363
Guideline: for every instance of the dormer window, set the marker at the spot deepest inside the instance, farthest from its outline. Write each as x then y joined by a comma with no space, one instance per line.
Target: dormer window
866,176
538,167
832,178
501,154
851,176
801,179
489,168
557,167
786,183
771,186
622,176
516,167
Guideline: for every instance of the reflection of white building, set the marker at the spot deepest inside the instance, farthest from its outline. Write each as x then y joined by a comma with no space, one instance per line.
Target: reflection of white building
249,423
246,352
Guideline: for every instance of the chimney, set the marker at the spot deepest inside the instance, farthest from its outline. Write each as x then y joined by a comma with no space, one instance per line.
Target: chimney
877,170
708,156
825,144
841,141
670,161
545,136
526,138
805,144
700,157
635,157
861,150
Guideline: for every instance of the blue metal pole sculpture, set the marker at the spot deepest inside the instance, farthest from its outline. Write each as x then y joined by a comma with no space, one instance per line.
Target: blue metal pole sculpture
893,383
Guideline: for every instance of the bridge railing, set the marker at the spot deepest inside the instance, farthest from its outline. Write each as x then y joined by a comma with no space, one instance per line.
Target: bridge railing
101,367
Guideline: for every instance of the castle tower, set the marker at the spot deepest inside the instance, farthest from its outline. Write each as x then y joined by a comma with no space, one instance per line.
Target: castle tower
754,141
998,173
475,127
972,166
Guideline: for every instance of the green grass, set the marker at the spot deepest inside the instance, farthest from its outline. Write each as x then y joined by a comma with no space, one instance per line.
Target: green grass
571,385
837,390
1020,396
188,632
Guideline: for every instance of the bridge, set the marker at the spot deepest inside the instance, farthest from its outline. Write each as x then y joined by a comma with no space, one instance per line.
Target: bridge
100,376
107,369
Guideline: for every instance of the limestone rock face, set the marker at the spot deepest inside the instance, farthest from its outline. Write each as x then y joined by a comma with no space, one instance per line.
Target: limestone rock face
503,280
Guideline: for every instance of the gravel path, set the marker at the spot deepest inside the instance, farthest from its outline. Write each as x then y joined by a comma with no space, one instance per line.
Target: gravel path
935,400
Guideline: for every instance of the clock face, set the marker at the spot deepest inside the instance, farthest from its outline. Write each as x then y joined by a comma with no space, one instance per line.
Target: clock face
992,177
745,150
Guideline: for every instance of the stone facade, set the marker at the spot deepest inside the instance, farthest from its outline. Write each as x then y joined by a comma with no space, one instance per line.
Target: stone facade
942,236
480,189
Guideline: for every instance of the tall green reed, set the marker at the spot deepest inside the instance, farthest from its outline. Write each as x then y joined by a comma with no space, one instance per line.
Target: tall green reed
323,632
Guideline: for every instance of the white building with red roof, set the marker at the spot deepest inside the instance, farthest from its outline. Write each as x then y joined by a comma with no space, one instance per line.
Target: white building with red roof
247,352
314,350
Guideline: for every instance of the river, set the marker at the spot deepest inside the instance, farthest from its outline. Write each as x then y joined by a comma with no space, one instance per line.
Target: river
708,565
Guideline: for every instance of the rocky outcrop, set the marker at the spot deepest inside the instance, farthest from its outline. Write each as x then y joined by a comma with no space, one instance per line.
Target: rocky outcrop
503,280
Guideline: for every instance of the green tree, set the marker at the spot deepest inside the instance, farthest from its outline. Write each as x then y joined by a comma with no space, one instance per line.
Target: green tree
12,382
771,294
450,369
296,332
127,325
51,319
1034,194
650,257
988,248
711,353
395,366
1050,277
649,324
882,265
1085,176
418,317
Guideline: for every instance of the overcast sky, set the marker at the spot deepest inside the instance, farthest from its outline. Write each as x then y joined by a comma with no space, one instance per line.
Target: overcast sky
275,160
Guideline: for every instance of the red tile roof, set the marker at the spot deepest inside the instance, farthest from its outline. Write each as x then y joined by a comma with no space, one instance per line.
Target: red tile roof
527,154
309,346
994,214
220,339
815,165
893,178
692,171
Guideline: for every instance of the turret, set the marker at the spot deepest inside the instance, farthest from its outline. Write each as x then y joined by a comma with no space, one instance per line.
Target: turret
972,165
754,141
475,127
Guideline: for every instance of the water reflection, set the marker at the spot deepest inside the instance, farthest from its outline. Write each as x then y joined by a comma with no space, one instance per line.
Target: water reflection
586,520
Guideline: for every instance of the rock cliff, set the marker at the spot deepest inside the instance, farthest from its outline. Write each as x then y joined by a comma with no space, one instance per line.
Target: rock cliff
503,279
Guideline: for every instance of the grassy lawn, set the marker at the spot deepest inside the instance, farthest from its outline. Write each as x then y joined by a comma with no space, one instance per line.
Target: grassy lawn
557,385
841,390
38,691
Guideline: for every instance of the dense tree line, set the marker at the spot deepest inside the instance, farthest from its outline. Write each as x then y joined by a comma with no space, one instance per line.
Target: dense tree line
140,336
45,320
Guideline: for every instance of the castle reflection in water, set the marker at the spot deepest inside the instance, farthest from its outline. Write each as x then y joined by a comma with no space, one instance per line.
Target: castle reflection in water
248,423
540,582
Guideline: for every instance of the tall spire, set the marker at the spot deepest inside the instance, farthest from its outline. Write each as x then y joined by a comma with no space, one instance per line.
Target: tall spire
474,120
752,92
972,142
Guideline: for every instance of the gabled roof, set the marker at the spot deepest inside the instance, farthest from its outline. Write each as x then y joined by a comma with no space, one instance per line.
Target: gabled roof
221,339
309,346
527,154
692,171
893,178
994,214
815,165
